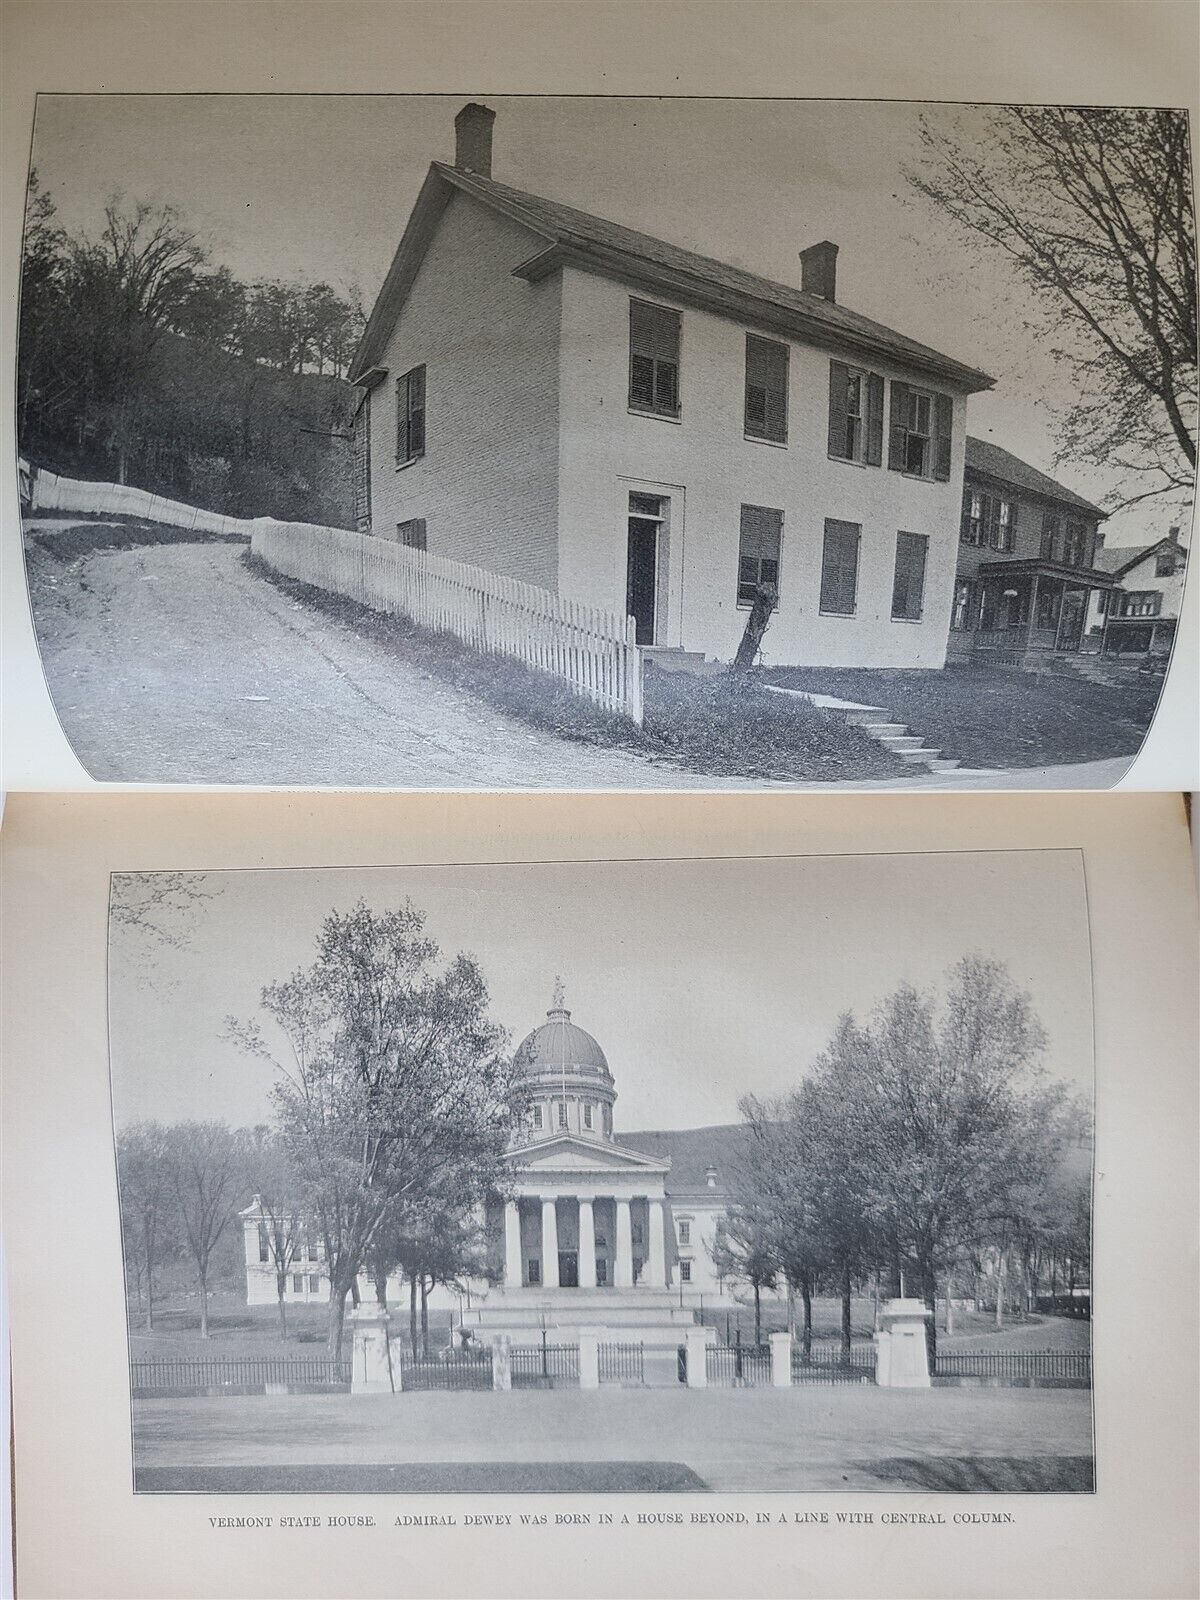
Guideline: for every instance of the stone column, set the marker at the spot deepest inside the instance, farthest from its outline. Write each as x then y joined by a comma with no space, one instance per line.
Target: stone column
549,1245
512,1244
781,1360
902,1359
656,1263
587,1243
623,1267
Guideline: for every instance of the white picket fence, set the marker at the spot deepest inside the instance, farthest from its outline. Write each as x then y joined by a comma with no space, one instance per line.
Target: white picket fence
592,650
49,492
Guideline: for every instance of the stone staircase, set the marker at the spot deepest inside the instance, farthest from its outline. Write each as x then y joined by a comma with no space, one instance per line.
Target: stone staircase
875,721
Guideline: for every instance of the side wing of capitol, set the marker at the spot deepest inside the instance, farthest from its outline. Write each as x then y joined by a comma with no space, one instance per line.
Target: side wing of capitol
598,1228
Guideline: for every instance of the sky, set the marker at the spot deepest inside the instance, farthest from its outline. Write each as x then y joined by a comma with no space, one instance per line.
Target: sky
702,981
319,188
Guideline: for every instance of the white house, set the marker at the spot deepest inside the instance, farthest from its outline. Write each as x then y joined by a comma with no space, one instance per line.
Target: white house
563,400
598,1227
1140,615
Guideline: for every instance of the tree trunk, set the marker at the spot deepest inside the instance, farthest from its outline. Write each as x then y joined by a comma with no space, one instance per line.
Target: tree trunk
895,1275
1000,1292
424,1318
791,1312
846,1287
950,1301
756,625
381,1290
412,1315
203,1305
929,1296
149,1299
337,1316
280,1294
757,1315
806,1295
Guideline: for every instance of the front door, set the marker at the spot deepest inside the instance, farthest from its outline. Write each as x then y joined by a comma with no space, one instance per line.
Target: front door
641,589
568,1269
1070,624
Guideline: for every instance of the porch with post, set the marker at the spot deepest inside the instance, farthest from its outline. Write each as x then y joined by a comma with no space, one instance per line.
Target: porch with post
1025,609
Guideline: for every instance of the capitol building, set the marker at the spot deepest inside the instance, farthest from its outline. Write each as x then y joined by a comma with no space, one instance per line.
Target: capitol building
598,1228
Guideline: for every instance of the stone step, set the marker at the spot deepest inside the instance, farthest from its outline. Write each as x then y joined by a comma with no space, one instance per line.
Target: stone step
918,757
899,742
584,1317
883,730
942,764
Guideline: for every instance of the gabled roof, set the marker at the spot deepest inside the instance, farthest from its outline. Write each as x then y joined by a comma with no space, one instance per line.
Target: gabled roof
1120,559
993,462
692,1152
579,239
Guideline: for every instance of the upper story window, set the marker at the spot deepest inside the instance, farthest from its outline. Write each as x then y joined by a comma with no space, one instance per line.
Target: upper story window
839,568
1164,564
685,1231
562,1113
758,552
921,427
587,1113
361,465
264,1243
855,414
989,520
653,358
1074,544
1146,603
766,390
1051,538
410,416
536,1113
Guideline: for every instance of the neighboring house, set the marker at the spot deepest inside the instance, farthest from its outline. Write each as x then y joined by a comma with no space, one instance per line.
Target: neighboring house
1027,562
563,400
1139,617
625,1223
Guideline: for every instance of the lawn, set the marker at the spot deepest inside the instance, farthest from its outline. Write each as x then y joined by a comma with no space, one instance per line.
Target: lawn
703,725
997,716
236,1329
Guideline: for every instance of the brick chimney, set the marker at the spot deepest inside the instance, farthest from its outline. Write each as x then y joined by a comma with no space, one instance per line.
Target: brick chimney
473,139
818,269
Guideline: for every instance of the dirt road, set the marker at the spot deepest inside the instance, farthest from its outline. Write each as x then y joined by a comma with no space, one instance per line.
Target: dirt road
173,664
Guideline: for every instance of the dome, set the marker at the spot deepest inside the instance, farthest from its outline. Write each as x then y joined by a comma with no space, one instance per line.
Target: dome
559,1047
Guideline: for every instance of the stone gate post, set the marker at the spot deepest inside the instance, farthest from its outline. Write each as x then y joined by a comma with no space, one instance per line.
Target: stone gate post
502,1362
371,1366
902,1359
590,1340
781,1360
696,1340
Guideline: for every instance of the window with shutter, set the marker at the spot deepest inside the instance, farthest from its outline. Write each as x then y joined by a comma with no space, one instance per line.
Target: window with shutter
961,618
855,414
1164,564
412,533
653,358
410,416
839,568
921,432
1073,542
971,529
1049,545
766,390
361,465
758,552
908,586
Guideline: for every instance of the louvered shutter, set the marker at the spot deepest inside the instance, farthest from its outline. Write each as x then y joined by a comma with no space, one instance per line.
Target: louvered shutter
908,585
839,382
766,389
943,424
653,357
898,433
839,567
874,419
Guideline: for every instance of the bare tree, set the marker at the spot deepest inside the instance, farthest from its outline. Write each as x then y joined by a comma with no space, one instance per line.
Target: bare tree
283,1211
148,1211
392,1079
206,1163
1092,207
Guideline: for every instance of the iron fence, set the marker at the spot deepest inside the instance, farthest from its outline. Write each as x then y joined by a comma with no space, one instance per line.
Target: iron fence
545,1366
622,1363
455,1369
1016,1366
730,1365
188,1374
828,1362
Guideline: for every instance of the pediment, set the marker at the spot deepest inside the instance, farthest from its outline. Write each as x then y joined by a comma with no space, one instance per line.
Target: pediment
569,1154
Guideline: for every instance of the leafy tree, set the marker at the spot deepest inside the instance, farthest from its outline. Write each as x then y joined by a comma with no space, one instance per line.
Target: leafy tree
393,1080
944,1116
206,1165
774,1177
1092,208
148,1211
43,379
